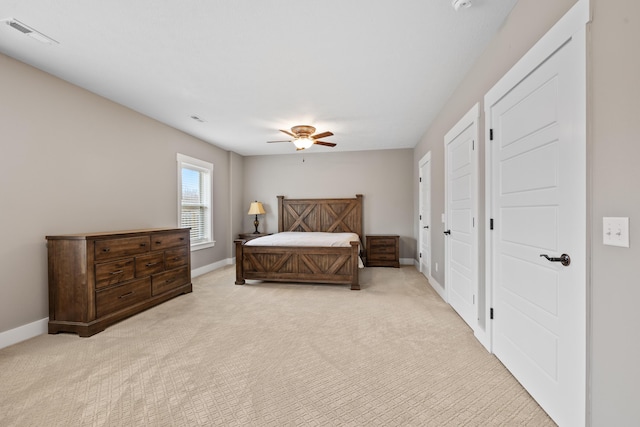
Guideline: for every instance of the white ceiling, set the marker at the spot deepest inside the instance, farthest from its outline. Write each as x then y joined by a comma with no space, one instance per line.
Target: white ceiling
374,72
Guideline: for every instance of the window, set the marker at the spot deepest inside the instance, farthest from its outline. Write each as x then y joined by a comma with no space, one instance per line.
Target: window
195,179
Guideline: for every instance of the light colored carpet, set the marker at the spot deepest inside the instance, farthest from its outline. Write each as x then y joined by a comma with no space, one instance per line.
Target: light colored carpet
392,354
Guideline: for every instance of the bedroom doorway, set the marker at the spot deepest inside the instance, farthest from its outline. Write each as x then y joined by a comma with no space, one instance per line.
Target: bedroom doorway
461,213
425,215
536,204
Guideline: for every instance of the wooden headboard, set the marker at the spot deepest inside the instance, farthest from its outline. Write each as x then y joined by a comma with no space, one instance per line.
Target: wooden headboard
329,215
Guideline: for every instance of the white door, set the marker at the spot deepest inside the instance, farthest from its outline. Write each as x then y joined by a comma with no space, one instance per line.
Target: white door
425,215
537,174
461,243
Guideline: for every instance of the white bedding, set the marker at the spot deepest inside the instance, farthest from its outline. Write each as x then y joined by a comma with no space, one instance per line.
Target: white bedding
301,238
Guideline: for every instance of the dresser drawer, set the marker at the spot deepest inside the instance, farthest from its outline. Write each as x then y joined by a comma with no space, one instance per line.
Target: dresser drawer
110,273
118,248
119,297
169,240
146,265
176,257
168,280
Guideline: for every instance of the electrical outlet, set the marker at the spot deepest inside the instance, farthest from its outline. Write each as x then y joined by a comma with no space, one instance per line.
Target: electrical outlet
436,267
615,231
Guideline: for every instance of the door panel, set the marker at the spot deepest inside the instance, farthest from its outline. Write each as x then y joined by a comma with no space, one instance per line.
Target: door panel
541,230
534,111
461,266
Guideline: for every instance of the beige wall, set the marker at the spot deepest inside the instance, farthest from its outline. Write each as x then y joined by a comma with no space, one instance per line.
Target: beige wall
383,177
613,151
74,162
614,99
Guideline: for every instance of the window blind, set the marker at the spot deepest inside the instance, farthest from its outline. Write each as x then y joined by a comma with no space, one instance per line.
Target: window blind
195,210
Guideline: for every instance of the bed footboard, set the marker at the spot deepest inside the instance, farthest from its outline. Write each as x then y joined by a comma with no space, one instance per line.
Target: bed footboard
337,265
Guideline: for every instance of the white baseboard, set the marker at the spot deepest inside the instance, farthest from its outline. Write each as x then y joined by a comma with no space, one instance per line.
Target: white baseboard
211,267
484,338
24,332
433,282
438,288
407,261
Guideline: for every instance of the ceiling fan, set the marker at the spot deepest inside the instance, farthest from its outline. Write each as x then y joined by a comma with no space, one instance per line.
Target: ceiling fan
303,137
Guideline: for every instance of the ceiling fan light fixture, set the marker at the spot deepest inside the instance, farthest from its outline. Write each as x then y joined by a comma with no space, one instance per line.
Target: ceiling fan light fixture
303,143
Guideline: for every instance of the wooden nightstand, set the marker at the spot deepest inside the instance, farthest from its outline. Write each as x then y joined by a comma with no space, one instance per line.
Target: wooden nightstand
383,250
251,236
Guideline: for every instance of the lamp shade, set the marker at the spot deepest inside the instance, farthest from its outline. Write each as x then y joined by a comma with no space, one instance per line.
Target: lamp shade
256,209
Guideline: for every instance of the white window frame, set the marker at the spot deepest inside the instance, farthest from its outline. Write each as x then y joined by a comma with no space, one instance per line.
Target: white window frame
184,161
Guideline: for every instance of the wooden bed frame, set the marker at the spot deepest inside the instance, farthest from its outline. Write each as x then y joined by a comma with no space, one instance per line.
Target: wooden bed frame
337,265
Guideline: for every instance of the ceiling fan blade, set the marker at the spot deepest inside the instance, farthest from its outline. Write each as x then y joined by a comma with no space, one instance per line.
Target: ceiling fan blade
322,135
328,144
269,142
288,133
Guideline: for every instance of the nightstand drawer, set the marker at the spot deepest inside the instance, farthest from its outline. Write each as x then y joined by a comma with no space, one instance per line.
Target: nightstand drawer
382,257
379,249
251,236
383,241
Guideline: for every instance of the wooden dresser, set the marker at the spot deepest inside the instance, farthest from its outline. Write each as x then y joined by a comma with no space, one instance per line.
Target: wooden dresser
98,279
383,250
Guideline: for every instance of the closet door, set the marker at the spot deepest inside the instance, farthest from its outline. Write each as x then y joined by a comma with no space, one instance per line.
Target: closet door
537,186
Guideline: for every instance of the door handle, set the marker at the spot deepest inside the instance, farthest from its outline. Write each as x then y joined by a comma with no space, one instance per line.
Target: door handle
564,259
447,232
426,226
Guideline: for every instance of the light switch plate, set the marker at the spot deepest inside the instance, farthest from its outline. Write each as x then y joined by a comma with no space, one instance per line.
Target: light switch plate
615,231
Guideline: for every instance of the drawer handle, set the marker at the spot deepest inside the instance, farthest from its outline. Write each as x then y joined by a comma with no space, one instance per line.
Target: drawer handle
117,272
142,245
158,242
127,294
182,238
176,259
170,280
106,249
150,264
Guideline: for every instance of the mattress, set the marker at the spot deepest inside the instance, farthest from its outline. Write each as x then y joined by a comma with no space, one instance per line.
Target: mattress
317,239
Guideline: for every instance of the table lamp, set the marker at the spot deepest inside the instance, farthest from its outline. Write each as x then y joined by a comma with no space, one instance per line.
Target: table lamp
256,209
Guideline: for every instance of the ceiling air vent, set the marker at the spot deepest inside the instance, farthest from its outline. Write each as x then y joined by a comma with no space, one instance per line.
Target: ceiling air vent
25,29
20,27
